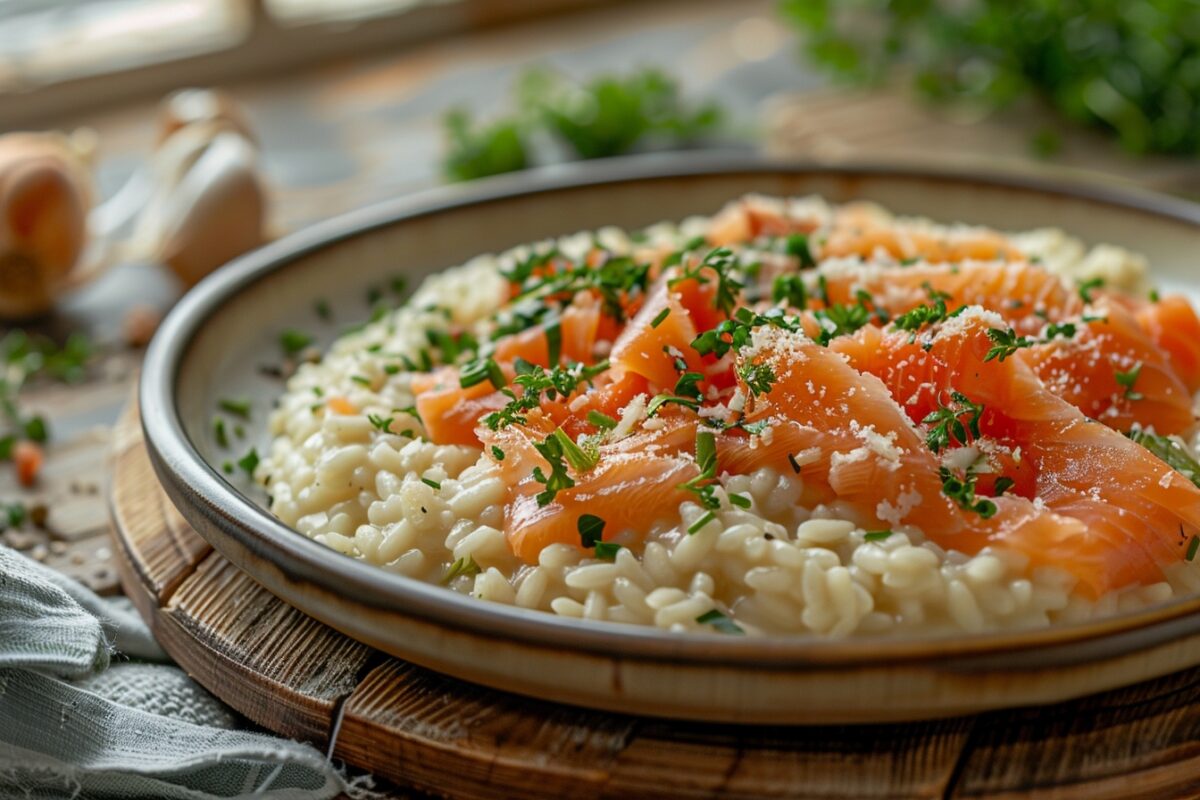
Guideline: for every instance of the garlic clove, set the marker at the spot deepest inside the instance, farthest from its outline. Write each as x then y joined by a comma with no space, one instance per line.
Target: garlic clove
210,206
45,194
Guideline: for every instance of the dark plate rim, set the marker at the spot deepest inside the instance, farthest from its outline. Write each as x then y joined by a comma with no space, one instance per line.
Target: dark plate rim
204,491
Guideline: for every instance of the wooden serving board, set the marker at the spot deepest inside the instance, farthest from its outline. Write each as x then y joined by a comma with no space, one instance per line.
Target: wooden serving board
292,675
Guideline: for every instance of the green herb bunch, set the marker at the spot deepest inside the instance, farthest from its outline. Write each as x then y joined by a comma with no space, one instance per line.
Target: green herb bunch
1129,66
606,116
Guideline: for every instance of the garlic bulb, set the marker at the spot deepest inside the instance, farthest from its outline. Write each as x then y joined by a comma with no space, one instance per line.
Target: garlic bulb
45,196
209,203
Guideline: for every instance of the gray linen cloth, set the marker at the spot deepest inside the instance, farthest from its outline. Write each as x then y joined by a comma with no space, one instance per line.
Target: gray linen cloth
90,711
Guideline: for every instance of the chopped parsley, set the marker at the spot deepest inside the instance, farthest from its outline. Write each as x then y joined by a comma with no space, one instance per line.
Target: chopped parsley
361,380
739,500
840,319
602,421
1128,379
947,425
796,245
534,380
607,550
1005,343
293,342
962,491
463,567
380,422
720,622
734,333
479,370
497,453
659,317
706,462
554,342
876,536
659,400
704,519
1086,287
759,378
581,458
431,483
591,530
552,450
239,408
249,462
1169,451
789,289
687,385
219,432
722,262
1064,329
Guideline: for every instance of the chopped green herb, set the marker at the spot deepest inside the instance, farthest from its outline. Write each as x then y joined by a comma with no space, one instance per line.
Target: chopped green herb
554,342
374,295
840,320
1193,546
759,378
947,426
1064,329
1086,287
580,459
721,622
558,479
602,421
796,245
740,500
962,491
497,453
15,515
1170,451
704,519
789,289
239,408
227,467
591,530
720,261
659,317
431,483
380,422
398,284
687,385
463,567
35,429
479,370
1005,343
660,400
293,341
607,550
219,432
1154,296
1128,379
876,536
323,310
1003,484
249,462
361,380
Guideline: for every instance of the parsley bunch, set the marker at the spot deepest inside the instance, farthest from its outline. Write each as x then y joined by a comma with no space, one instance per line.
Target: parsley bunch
1127,66
606,116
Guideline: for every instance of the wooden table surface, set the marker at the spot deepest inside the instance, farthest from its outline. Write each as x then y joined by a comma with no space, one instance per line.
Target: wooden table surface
346,134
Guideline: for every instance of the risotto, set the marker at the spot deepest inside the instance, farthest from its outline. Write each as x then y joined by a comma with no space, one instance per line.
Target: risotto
789,418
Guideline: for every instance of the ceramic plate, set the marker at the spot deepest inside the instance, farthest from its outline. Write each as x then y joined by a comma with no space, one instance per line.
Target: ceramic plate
216,339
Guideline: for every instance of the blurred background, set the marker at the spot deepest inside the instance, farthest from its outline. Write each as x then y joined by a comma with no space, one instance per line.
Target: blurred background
148,141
